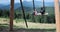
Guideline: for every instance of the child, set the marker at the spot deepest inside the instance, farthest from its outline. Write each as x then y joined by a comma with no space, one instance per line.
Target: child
35,12
42,11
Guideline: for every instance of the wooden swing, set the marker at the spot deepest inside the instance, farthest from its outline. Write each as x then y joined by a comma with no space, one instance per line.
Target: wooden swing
42,12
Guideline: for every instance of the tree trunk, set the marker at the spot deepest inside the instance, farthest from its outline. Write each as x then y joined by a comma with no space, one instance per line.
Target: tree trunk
57,16
11,14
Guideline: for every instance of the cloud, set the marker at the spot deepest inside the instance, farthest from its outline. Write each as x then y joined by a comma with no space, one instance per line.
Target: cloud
49,0
18,1
45,0
4,1
40,0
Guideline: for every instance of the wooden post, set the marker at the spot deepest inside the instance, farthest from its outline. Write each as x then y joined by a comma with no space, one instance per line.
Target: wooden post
23,13
57,16
11,14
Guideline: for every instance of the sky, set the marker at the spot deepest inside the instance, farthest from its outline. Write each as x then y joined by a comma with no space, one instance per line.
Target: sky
17,1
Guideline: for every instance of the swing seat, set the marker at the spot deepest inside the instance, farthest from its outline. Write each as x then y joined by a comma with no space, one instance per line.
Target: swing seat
41,14
38,14
46,14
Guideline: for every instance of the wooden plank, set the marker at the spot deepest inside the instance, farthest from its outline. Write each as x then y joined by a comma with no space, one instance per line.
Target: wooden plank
11,14
57,16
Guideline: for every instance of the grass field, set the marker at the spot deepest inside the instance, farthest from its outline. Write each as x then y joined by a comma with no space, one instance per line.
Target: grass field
19,23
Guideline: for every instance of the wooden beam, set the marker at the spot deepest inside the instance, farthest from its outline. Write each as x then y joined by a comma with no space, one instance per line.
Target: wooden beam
23,13
11,14
57,16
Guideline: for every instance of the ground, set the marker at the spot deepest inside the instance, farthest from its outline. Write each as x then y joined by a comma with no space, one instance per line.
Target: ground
20,26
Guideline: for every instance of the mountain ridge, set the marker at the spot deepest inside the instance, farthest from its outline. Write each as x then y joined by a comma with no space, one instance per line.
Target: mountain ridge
26,4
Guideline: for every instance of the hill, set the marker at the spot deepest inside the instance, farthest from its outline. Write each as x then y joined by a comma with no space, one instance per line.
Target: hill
27,4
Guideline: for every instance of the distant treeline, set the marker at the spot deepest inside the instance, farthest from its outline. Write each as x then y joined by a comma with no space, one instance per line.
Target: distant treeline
18,14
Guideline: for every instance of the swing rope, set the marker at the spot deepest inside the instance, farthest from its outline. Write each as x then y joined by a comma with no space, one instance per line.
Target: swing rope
33,10
33,5
23,13
44,6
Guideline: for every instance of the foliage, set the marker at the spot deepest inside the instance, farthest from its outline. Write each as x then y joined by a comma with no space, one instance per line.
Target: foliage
28,13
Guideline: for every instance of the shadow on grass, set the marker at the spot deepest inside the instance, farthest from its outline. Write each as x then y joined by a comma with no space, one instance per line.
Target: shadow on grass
34,30
6,27
3,25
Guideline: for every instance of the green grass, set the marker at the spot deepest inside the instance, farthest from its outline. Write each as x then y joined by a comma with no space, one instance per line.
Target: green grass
19,23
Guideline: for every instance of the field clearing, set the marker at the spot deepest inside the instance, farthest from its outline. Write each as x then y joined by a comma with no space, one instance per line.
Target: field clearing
20,26
31,25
